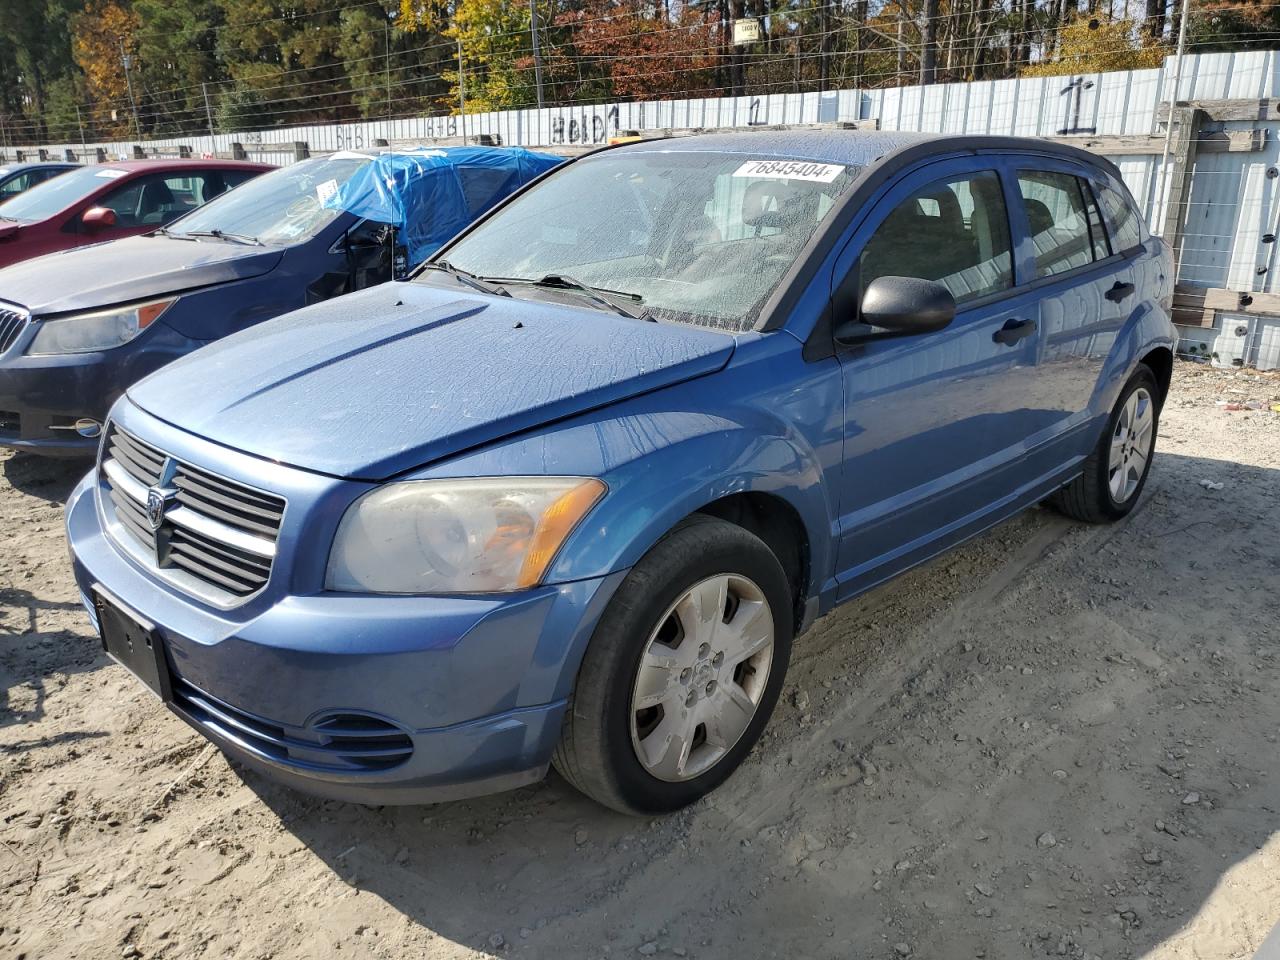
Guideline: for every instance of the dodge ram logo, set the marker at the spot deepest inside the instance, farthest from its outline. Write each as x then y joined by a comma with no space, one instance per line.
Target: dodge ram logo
161,495
155,508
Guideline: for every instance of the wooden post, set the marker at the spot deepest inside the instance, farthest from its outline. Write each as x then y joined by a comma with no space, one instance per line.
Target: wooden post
237,151
184,151
99,155
139,153
301,150
1183,154
69,155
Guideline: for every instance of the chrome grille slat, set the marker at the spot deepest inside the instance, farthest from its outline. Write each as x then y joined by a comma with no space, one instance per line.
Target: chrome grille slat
140,471
228,515
12,323
206,572
146,460
219,532
197,488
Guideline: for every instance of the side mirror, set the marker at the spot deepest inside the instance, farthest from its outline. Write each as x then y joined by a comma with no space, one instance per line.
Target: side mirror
900,306
97,218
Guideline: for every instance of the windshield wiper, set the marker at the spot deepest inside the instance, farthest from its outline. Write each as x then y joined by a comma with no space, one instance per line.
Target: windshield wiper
600,295
223,235
162,231
470,279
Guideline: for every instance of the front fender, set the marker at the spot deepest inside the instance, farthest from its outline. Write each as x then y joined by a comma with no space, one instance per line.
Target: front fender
664,465
770,426
703,458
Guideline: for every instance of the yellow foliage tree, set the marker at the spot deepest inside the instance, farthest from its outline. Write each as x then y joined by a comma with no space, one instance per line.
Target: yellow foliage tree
1096,46
96,35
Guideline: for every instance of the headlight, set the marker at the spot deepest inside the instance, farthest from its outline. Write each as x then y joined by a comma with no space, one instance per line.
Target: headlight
484,535
101,330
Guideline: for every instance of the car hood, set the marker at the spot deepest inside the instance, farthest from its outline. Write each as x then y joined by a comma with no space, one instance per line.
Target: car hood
395,377
133,268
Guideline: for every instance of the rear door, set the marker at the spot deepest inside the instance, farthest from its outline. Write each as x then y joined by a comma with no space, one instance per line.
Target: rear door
1085,292
936,424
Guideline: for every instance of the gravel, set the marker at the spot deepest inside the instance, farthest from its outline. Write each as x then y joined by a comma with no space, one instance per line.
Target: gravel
1151,644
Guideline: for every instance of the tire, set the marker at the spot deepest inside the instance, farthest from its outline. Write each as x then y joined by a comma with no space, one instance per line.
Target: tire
612,749
1097,495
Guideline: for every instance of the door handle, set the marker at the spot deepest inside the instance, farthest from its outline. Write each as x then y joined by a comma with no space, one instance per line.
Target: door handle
1013,331
1119,291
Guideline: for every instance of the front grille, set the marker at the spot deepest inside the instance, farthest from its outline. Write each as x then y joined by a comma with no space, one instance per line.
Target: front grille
12,323
218,531
344,742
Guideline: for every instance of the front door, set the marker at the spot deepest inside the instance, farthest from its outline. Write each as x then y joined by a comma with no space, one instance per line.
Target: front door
936,424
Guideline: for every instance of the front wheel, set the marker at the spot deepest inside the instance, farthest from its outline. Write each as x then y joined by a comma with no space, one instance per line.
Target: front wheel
1115,473
682,672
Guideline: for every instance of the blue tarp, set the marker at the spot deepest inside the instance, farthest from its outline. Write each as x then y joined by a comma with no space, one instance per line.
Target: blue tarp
429,195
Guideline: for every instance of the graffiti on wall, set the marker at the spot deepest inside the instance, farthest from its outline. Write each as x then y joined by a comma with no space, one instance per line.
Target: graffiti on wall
586,128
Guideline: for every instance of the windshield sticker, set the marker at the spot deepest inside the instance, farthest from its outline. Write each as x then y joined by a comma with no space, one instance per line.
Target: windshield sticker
326,190
790,170
110,174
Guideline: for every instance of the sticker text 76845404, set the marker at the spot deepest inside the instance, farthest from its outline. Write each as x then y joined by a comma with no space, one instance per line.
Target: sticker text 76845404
790,170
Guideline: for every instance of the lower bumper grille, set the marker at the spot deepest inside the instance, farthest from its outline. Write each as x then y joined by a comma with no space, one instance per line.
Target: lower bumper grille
339,742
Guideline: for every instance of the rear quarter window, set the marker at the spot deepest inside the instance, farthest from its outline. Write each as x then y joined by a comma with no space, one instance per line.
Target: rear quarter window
1126,225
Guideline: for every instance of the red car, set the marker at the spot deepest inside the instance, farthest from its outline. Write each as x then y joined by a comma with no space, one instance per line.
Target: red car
111,200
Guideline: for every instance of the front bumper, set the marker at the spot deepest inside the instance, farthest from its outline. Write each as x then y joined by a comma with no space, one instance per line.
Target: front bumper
476,686
41,398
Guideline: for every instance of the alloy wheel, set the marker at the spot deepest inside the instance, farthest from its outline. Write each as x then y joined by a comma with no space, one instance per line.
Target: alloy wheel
701,677
1131,444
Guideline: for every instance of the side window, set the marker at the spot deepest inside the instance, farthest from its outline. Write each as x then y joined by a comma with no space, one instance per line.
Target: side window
1097,232
1066,228
154,200
1126,226
955,232
123,201
481,187
16,185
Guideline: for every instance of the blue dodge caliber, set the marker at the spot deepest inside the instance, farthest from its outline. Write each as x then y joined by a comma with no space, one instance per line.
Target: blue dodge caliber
569,495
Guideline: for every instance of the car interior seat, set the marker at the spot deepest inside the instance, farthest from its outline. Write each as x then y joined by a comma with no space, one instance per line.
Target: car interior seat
156,204
211,186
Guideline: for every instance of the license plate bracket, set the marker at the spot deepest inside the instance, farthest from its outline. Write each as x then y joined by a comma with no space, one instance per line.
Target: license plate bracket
134,643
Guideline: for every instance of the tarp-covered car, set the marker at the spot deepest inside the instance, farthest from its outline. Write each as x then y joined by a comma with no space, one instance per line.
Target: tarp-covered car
77,328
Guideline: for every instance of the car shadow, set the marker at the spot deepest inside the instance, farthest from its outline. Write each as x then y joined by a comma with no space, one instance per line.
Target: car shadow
55,644
1016,750
47,478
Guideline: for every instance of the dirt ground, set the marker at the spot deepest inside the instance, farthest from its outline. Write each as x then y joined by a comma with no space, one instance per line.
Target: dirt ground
1058,740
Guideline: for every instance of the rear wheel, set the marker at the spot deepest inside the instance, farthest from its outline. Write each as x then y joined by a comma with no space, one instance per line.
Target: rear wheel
1116,471
682,673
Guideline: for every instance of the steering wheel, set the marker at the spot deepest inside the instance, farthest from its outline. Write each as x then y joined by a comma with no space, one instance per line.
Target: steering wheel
303,206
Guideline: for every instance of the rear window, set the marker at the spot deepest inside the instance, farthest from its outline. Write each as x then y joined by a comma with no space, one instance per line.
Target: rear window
1065,226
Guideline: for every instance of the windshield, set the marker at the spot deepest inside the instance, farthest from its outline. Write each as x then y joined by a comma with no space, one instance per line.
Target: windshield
285,206
53,196
695,237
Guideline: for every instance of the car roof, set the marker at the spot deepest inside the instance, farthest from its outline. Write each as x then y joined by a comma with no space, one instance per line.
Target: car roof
170,166
37,165
862,148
